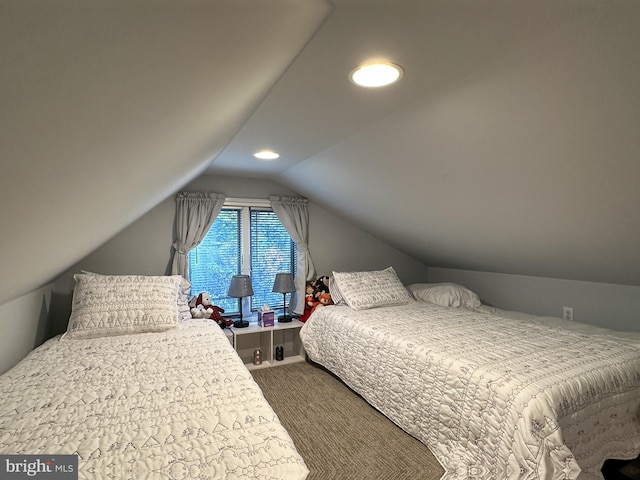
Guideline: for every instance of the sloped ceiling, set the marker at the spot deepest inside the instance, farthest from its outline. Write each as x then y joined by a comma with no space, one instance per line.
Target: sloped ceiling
510,145
109,106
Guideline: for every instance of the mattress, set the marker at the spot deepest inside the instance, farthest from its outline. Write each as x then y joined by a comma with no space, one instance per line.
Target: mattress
492,397
175,404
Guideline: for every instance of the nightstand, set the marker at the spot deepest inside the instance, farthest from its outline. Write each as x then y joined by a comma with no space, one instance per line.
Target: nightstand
287,335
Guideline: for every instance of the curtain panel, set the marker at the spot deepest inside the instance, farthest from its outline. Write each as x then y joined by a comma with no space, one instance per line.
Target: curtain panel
195,213
293,213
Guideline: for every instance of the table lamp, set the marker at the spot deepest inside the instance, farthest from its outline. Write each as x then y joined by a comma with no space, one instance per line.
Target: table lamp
284,284
240,287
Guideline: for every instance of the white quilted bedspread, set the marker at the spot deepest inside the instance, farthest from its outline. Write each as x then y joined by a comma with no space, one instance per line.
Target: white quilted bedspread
492,398
171,405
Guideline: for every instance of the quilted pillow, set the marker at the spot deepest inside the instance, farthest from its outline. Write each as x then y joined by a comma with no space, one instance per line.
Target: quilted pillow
378,288
334,291
183,296
184,310
105,305
445,294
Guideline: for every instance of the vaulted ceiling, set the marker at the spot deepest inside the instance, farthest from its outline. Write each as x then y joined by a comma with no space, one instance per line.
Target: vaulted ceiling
510,144
110,106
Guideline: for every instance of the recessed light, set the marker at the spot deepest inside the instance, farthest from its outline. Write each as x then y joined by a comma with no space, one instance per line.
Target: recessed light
266,155
374,75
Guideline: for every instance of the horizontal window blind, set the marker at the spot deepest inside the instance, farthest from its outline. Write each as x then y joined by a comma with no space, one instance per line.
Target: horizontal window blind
217,259
272,251
220,256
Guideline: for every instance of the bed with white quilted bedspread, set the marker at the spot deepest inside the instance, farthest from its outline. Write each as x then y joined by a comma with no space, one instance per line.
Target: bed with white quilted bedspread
169,405
492,398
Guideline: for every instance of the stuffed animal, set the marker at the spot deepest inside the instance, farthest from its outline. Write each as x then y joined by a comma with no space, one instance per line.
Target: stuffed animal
309,300
317,295
204,308
219,319
322,285
199,311
324,299
197,299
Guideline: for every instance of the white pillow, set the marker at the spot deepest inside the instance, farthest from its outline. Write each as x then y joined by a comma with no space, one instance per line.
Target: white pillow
184,309
106,305
445,294
334,291
363,290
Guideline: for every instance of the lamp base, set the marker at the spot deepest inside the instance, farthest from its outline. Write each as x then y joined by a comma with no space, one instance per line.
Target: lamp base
284,319
240,324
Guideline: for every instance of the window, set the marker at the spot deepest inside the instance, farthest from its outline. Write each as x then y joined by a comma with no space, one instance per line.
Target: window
246,238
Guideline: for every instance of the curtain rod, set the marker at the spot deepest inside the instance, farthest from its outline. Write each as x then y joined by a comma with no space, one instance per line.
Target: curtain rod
246,202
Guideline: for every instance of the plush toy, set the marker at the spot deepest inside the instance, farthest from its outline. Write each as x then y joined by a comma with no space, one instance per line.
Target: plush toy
322,285
198,312
219,319
317,295
204,308
197,299
324,299
309,300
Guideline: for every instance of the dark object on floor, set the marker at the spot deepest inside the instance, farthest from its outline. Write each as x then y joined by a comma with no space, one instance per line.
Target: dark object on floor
621,469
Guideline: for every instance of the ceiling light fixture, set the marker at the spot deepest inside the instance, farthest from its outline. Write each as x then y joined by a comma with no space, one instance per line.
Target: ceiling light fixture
266,155
377,74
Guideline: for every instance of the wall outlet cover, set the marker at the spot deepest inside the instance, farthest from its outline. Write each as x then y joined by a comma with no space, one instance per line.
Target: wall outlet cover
567,313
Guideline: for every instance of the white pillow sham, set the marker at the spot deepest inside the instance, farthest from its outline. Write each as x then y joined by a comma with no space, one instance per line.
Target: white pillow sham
377,288
105,305
184,309
334,291
445,294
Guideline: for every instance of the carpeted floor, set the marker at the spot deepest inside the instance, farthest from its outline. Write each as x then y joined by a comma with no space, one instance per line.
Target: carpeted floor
339,435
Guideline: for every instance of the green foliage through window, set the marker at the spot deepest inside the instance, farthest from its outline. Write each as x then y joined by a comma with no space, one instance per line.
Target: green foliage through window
219,257
272,251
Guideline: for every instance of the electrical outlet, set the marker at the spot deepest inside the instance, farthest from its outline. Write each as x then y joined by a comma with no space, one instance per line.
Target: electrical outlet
567,313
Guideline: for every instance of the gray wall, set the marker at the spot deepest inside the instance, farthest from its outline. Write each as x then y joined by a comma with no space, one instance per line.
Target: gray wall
603,304
23,325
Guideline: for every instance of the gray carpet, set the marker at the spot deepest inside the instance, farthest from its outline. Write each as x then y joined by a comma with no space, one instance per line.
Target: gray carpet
339,435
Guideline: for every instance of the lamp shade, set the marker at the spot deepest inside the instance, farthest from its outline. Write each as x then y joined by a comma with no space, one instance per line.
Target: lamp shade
240,286
284,283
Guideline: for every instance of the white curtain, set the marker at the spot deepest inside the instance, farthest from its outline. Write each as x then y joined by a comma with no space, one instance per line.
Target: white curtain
294,216
195,213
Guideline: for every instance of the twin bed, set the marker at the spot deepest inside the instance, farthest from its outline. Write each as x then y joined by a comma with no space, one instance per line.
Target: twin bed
492,397
138,390
137,393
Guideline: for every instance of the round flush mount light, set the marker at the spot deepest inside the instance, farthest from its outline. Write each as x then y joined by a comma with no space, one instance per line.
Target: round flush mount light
373,75
266,155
